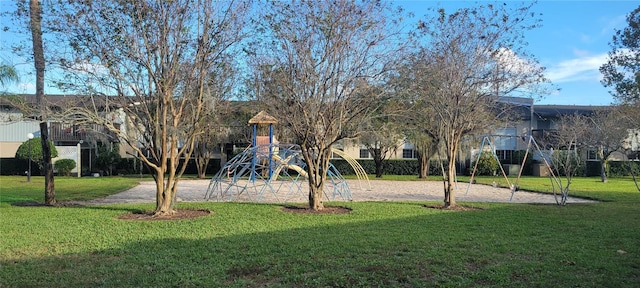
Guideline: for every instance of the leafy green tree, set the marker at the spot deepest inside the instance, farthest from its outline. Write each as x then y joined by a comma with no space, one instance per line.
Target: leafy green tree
35,145
64,166
621,71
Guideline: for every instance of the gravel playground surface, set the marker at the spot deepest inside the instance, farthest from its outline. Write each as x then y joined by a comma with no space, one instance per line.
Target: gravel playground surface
374,190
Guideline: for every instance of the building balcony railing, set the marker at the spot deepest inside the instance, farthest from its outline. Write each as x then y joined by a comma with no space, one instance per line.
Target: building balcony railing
64,132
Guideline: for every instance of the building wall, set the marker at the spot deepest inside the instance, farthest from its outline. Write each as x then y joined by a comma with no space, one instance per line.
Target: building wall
8,149
12,134
68,152
353,149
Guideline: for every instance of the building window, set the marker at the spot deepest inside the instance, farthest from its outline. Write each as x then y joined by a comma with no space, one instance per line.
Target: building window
409,154
592,155
364,153
504,155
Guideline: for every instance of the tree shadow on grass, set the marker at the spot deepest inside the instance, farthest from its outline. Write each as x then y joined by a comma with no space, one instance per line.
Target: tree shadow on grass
74,204
410,248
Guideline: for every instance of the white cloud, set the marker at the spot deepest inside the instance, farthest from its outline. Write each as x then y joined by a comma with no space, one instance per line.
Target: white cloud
27,87
90,68
513,63
583,68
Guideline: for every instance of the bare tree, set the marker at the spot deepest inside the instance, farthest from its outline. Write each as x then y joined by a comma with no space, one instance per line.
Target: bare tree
157,58
470,57
568,148
631,118
381,137
381,133
317,58
426,146
205,146
222,80
418,122
608,134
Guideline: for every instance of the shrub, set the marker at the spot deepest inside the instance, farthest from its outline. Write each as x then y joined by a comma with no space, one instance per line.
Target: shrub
488,165
106,159
64,166
32,149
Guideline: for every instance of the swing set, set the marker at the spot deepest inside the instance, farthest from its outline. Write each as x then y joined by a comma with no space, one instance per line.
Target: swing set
559,193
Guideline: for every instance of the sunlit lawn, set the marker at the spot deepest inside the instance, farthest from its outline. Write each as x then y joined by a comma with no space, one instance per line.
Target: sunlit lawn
378,244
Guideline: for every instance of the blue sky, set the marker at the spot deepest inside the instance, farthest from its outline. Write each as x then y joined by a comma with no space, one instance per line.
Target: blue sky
572,44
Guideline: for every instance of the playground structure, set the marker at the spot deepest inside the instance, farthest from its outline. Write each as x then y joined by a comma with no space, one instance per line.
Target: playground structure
274,171
560,194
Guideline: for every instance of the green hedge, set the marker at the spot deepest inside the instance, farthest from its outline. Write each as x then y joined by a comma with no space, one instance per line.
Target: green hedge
13,166
616,168
124,166
592,168
624,168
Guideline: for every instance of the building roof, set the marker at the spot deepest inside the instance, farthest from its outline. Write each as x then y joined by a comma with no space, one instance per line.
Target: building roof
551,111
61,101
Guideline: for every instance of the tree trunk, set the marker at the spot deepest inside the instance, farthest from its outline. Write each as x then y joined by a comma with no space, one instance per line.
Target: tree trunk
316,187
379,165
317,165
49,187
450,197
603,171
201,164
603,165
35,17
315,195
164,196
202,159
423,170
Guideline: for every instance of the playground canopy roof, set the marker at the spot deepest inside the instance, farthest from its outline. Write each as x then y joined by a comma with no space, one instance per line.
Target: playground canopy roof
263,118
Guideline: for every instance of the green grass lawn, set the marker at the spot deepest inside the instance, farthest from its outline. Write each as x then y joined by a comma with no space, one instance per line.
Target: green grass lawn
378,244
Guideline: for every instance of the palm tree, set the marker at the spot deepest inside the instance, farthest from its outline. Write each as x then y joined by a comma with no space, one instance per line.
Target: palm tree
8,75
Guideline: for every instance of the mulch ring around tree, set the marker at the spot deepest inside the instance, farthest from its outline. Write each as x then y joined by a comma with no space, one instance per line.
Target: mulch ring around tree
307,210
178,215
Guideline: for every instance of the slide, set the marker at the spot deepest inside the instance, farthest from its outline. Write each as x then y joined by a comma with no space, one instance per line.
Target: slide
283,164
